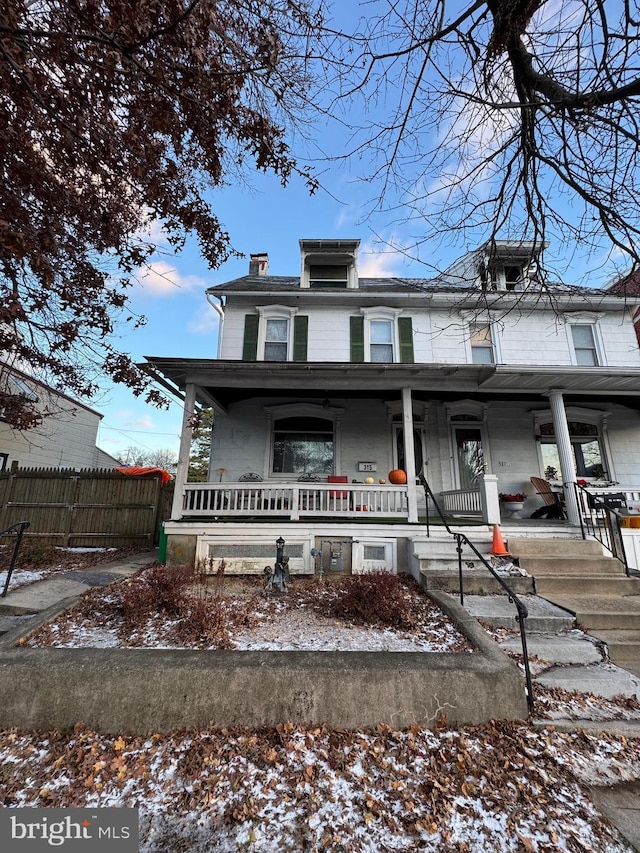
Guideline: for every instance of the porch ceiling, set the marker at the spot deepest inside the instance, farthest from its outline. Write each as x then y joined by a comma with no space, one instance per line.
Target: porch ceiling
221,383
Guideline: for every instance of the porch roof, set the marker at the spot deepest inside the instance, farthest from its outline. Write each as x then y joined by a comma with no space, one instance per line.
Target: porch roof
220,383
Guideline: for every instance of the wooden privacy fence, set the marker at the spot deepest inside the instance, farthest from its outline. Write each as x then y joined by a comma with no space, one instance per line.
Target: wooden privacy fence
85,508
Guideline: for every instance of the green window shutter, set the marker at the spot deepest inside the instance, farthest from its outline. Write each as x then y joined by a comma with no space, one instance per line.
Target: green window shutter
405,339
300,336
357,338
250,345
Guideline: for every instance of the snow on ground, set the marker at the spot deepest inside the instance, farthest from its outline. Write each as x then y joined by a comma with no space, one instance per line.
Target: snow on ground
290,622
499,787
495,788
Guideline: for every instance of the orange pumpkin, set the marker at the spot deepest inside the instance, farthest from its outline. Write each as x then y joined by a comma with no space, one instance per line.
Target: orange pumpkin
398,477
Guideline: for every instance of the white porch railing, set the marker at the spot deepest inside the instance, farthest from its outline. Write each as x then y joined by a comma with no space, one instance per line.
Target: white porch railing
343,500
465,501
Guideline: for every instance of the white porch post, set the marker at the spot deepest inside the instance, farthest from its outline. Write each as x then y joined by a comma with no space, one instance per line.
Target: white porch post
185,450
409,456
565,453
489,499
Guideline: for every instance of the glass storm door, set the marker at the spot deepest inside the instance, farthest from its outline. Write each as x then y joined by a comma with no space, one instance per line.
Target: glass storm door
469,456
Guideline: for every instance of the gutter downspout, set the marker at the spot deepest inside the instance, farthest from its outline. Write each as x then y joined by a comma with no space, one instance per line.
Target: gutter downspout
219,309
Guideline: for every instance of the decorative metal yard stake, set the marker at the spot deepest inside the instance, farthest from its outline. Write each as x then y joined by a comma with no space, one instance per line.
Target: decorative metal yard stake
278,577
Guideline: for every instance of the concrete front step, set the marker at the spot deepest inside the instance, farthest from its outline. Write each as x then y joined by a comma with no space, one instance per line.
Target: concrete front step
592,585
623,645
522,546
499,612
475,582
581,566
598,612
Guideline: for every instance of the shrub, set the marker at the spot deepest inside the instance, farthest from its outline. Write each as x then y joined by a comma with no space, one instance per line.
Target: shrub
375,598
157,590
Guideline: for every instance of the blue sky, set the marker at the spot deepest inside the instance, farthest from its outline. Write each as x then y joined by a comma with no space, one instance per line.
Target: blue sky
171,294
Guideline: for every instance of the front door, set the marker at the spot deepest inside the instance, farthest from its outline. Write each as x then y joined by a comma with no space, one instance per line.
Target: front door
469,456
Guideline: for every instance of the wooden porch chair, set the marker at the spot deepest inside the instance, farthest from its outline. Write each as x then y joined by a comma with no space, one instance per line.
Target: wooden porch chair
553,503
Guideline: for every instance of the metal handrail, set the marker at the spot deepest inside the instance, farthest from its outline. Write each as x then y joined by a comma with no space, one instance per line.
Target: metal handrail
20,526
613,541
512,597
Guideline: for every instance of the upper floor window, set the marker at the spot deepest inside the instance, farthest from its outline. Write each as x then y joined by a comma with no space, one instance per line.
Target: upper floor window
381,341
481,344
584,345
381,335
275,333
276,340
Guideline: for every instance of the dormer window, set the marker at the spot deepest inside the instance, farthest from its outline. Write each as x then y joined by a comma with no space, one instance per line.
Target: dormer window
328,275
329,264
507,276
513,275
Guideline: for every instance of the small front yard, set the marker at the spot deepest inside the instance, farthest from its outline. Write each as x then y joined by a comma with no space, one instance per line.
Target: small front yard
174,608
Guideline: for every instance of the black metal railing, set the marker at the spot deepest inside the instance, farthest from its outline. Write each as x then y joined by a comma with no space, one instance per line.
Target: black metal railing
19,527
599,518
521,609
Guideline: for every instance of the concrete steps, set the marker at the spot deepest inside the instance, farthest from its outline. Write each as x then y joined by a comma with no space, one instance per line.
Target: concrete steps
591,585
581,566
623,645
499,612
595,612
476,582
577,577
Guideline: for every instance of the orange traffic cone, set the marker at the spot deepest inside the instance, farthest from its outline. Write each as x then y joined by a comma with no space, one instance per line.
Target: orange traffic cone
497,548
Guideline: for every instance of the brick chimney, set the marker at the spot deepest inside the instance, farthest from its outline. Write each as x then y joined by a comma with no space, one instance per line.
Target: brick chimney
259,264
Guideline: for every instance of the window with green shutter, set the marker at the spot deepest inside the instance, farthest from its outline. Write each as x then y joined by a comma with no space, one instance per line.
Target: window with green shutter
357,338
405,339
300,337
250,344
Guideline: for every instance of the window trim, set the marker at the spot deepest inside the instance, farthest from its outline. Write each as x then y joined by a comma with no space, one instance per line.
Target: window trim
473,319
586,319
275,312
389,315
576,414
281,411
474,328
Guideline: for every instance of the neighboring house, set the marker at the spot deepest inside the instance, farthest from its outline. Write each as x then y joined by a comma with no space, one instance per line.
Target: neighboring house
628,285
481,378
66,438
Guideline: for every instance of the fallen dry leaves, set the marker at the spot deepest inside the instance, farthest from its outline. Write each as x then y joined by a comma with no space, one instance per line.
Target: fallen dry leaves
497,787
211,615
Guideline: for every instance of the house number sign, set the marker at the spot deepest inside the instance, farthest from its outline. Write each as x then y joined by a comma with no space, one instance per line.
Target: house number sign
367,466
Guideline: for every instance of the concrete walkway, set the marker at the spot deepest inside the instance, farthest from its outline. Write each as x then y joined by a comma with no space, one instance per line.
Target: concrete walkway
26,602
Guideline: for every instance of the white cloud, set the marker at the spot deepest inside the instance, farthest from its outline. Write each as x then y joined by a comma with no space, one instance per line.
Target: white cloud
159,278
204,323
374,263
145,422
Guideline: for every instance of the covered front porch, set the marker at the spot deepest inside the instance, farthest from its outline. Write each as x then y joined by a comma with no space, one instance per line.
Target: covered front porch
474,431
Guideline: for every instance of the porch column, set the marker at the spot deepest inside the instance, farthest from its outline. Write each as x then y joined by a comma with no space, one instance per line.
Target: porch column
409,456
565,453
185,450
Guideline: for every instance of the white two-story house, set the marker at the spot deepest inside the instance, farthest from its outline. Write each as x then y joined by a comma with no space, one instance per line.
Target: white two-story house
326,382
